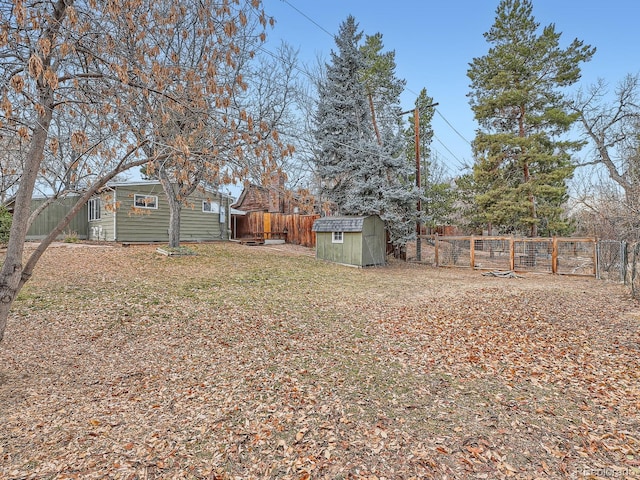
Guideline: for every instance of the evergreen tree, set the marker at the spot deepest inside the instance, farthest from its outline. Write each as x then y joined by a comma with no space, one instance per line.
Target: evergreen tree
360,174
522,164
343,127
440,195
382,86
424,105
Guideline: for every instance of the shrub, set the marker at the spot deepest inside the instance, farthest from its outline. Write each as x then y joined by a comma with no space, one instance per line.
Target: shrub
5,224
71,237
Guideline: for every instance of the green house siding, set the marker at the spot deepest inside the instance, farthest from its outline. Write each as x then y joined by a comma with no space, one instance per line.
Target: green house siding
47,220
103,228
128,224
363,240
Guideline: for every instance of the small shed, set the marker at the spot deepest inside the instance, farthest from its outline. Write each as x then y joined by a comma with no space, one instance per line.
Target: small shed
351,240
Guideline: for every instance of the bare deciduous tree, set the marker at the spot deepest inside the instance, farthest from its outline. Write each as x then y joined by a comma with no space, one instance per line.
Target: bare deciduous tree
612,127
203,135
91,62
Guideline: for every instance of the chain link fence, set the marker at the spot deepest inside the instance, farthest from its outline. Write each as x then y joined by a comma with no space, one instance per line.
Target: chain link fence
620,262
612,260
632,270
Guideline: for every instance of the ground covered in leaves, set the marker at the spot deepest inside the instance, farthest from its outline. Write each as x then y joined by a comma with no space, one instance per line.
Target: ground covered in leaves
263,363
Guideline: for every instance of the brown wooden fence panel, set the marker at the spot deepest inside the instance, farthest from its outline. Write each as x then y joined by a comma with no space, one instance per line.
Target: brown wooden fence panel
293,228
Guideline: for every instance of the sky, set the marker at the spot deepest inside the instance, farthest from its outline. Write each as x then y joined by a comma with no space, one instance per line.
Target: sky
434,42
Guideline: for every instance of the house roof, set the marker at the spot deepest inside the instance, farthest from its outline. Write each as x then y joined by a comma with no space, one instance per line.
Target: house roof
252,186
338,224
139,183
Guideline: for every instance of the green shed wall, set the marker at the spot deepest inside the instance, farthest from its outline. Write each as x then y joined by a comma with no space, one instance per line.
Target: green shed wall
373,242
47,220
361,249
349,252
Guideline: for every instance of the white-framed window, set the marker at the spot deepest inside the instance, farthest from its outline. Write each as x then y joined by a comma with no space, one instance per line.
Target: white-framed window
145,201
210,207
337,237
94,209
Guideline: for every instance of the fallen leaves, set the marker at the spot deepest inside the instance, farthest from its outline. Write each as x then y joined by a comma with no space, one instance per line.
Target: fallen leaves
248,363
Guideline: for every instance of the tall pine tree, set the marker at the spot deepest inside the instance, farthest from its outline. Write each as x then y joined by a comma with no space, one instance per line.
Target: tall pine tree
382,86
522,162
361,172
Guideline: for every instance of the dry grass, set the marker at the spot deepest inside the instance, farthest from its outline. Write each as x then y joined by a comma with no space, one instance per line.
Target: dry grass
260,362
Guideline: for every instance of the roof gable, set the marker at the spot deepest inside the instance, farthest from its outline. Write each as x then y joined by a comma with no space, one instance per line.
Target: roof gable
338,224
156,183
253,198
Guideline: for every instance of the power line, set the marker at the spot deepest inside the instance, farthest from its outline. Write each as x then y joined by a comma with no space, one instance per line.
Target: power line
310,19
452,127
447,122
441,160
460,163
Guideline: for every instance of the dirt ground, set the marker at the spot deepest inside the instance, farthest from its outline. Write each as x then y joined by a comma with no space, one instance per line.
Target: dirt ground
263,363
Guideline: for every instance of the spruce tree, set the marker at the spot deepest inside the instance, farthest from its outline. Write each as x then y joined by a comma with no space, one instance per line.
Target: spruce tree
361,174
343,127
522,160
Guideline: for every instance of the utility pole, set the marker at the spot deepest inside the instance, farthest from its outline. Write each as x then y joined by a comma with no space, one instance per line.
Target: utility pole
416,127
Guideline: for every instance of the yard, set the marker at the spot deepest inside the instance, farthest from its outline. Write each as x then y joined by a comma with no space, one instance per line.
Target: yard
263,363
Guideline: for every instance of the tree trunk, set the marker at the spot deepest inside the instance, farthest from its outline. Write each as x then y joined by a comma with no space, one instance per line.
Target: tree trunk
527,178
373,119
175,208
174,224
11,274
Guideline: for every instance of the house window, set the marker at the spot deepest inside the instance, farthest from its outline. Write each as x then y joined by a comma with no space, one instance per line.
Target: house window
210,207
145,201
337,237
94,209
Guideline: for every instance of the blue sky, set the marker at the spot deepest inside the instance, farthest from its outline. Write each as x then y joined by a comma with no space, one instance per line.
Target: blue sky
435,41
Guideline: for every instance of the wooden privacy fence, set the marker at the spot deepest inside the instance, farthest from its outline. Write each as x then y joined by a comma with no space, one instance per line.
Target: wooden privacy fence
565,256
293,228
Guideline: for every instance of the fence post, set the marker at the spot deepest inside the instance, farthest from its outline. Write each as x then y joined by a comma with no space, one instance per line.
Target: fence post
598,250
623,261
595,257
633,270
472,253
512,253
554,255
437,247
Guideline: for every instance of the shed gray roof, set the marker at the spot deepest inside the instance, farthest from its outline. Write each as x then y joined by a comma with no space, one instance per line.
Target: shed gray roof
338,224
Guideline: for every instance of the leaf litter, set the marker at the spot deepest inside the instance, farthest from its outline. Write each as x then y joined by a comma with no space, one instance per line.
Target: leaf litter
249,362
